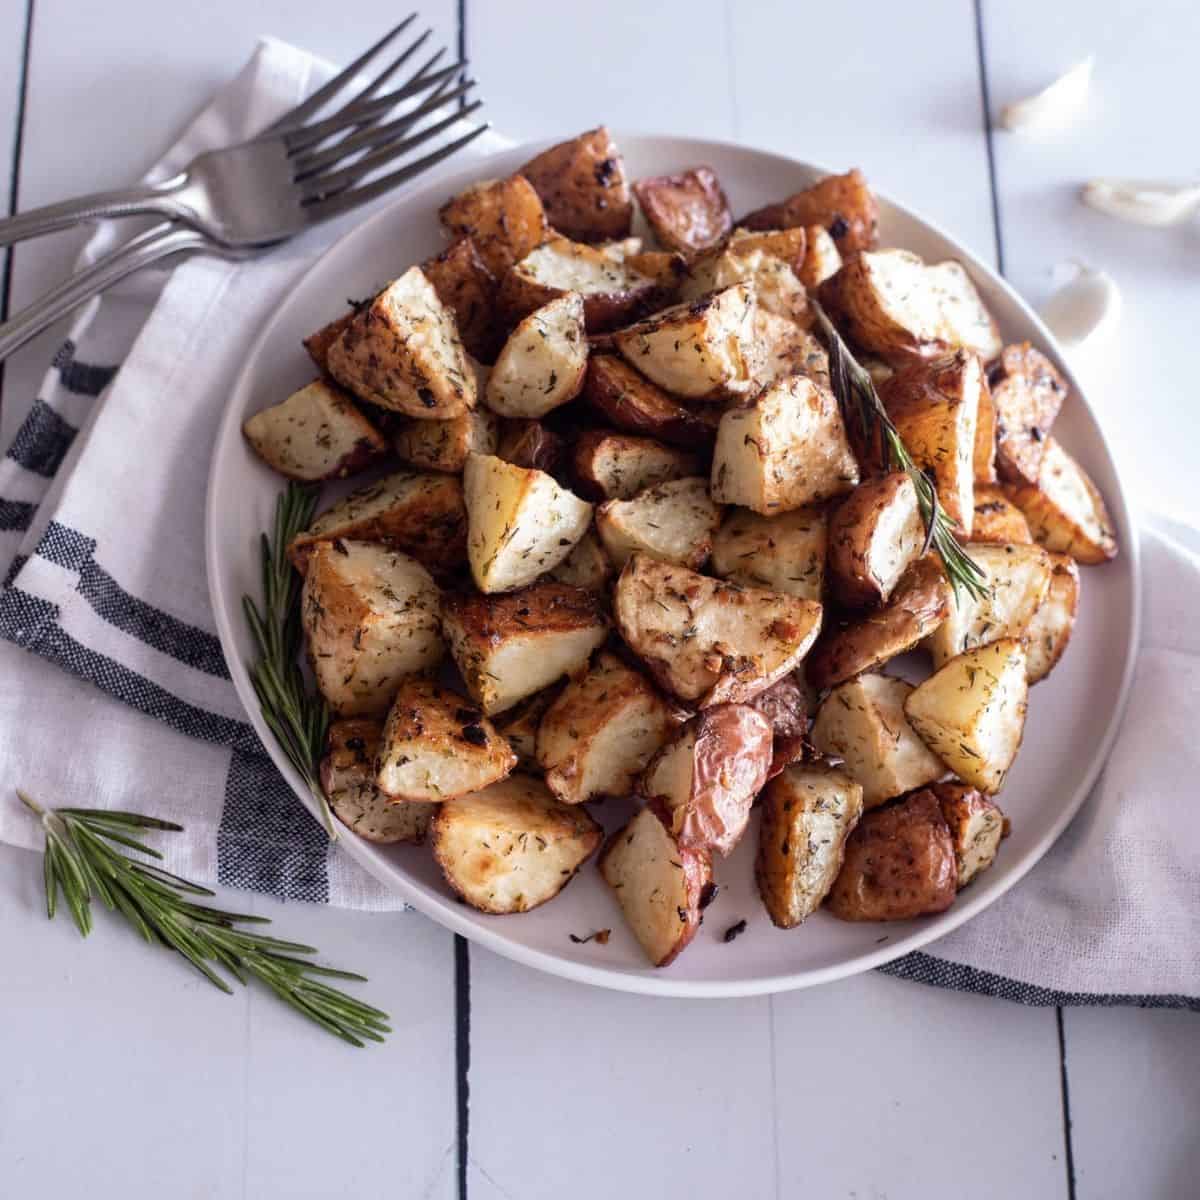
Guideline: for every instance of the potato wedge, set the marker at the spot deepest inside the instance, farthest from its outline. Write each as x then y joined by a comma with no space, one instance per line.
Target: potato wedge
446,445
617,466
917,609
317,344
587,566
971,712
508,647
583,188
631,402
997,518
348,781
529,444
421,514
708,775
754,260
1047,634
709,641
782,554
977,827
521,524
673,521
984,460
874,534
1017,578
862,722
808,812
843,205
597,737
471,292
791,245
787,348
543,363
403,352
786,449
437,744
1066,512
518,726
821,257
316,433
703,350
688,212
658,883
899,864
511,846
370,615
1027,392
503,217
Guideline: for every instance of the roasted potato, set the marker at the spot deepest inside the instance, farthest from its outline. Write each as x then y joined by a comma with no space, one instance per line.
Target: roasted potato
758,261
511,846
674,521
633,403
658,883
707,776
316,433
787,348
821,257
1049,631
787,704
600,733
317,344
1066,512
402,352
521,523
1027,393
997,518
421,514
977,827
1016,580
688,212
843,205
790,245
587,566
504,218
782,554
709,641
508,647
874,534
702,350
446,445
786,449
984,459
899,864
519,726
862,722
437,744
531,445
471,292
543,363
617,466
971,712
348,781
583,188
917,608
371,618
808,812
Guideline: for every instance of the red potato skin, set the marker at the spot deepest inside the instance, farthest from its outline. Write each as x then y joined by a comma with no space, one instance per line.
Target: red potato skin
784,706
842,204
634,404
688,212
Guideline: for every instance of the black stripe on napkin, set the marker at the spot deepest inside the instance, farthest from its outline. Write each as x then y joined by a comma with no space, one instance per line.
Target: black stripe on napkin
42,441
938,972
267,842
14,569
83,379
15,515
65,547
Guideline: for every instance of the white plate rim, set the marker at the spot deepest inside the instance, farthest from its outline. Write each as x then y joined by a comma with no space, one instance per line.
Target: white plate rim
445,910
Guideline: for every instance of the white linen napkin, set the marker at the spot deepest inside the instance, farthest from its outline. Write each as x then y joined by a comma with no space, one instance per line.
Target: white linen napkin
101,545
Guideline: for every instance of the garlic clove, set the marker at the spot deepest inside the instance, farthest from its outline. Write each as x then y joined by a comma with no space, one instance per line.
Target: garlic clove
1143,202
1086,309
1053,103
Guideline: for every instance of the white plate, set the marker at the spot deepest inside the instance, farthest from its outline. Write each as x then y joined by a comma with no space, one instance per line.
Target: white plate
1073,716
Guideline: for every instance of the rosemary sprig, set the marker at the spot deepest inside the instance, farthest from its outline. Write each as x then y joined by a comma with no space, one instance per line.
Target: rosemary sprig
84,861
859,401
298,718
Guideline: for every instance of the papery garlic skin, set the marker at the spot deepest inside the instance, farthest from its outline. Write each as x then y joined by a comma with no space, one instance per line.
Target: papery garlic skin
1084,310
1054,103
1143,202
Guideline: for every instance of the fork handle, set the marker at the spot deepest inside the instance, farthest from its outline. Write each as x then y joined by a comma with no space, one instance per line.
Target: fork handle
149,247
127,202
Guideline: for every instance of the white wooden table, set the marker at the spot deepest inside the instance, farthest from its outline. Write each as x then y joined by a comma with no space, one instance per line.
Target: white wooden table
124,1074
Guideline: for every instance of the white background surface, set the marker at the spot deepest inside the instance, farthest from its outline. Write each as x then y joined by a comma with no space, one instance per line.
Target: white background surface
122,1073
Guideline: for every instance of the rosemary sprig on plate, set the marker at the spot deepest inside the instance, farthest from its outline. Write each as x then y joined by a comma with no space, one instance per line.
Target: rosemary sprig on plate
298,718
84,861
859,401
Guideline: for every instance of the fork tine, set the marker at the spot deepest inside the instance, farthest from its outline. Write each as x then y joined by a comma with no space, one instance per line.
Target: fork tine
330,185
317,100
374,136
357,112
372,89
344,201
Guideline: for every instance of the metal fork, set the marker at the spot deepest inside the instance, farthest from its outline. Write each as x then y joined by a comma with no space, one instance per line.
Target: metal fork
241,200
